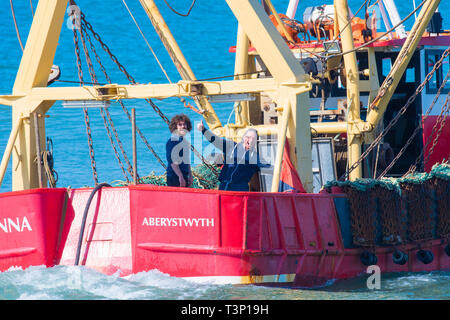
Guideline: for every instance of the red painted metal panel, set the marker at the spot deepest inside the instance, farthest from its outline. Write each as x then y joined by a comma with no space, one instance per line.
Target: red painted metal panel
229,234
442,149
106,244
29,226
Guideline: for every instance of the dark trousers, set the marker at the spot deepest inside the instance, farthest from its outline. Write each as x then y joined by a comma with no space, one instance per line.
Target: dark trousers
174,181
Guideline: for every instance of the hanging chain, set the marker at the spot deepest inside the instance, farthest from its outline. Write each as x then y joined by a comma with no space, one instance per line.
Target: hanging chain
133,81
108,79
399,114
102,109
440,121
85,111
120,66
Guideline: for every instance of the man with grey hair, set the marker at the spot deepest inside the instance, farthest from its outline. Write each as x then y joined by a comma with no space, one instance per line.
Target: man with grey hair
241,159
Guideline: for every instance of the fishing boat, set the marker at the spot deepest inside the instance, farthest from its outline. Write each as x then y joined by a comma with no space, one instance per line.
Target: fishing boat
351,119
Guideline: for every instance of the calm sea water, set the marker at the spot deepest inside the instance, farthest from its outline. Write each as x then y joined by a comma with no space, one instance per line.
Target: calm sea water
205,37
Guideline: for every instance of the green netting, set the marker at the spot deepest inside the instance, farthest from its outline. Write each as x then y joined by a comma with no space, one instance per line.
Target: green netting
366,184
439,171
204,178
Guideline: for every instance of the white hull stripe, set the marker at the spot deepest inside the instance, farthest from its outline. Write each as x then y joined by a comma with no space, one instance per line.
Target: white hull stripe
282,278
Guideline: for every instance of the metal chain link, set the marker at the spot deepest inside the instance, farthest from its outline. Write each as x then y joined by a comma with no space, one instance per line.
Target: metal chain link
419,203
120,66
399,114
85,111
441,121
442,118
132,80
130,167
362,217
102,109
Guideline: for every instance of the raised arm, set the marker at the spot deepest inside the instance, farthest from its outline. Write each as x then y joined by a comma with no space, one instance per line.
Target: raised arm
218,142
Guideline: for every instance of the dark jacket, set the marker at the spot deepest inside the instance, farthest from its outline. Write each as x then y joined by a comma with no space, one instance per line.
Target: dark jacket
178,151
239,164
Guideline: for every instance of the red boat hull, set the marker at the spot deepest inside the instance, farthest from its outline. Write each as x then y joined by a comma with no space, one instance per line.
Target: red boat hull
202,235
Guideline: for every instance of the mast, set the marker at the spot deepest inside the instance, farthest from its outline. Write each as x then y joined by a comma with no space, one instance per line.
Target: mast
178,59
292,8
354,137
34,71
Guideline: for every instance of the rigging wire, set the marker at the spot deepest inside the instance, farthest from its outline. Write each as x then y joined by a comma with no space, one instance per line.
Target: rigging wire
349,21
181,14
394,120
145,39
15,24
32,9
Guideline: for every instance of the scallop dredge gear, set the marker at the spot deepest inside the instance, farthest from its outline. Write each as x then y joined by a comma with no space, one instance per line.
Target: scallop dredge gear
396,211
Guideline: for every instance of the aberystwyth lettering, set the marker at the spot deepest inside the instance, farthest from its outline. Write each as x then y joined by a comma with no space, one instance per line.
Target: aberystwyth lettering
178,222
9,225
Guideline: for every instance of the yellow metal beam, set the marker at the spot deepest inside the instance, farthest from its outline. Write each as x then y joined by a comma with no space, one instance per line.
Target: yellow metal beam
378,107
277,18
178,59
267,40
241,68
37,58
281,140
354,138
156,91
9,148
34,70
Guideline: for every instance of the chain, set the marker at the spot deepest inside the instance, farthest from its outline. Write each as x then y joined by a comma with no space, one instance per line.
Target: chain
419,203
107,116
441,120
120,66
85,111
104,110
399,114
391,216
87,26
442,188
362,217
132,80
181,14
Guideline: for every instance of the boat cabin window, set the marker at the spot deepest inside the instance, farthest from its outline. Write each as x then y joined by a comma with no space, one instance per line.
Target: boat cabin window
386,66
431,57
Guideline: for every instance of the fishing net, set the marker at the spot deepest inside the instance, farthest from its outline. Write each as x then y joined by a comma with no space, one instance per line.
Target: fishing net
204,178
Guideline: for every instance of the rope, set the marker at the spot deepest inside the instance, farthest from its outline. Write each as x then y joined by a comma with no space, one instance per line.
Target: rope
145,39
47,161
15,24
181,14
31,7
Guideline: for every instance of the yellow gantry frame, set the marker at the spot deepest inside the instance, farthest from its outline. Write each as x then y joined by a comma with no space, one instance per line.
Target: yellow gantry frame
288,87
31,94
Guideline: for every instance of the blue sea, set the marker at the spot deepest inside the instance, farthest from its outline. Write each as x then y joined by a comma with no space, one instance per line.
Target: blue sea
205,37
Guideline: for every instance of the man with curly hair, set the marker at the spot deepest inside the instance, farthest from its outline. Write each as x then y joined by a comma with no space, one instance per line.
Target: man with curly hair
178,154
